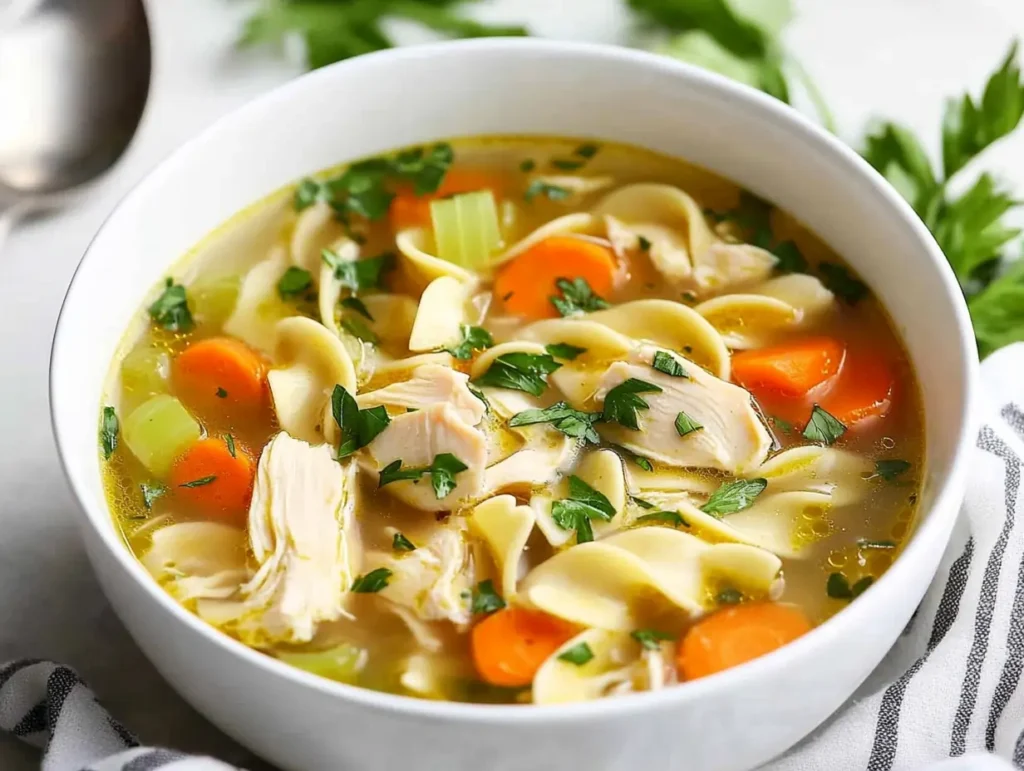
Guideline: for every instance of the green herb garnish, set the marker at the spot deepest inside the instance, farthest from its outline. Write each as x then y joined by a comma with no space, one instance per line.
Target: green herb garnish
583,504
549,191
473,339
864,543
110,428
686,425
400,543
586,150
230,442
735,496
890,469
372,582
357,427
221,393
359,275
566,165
729,596
360,330
673,518
823,427
442,473
651,639
486,598
578,654
527,165
842,283
520,371
357,305
665,362
171,310
641,502
151,491
564,351
838,587
622,402
201,482
576,297
293,282
643,243
571,422
639,460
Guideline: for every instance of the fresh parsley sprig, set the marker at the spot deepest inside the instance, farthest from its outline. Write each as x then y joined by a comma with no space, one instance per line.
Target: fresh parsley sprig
583,505
442,471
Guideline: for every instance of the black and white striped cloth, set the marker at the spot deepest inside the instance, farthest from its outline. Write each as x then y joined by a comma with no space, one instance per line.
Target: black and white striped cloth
948,697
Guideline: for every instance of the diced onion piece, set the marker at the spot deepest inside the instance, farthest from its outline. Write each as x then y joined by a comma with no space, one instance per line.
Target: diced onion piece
213,300
144,372
158,431
466,228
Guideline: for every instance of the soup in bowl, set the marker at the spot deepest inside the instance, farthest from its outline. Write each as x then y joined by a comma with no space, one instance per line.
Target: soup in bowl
526,419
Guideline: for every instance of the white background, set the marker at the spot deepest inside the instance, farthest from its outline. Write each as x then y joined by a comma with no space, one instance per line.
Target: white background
897,58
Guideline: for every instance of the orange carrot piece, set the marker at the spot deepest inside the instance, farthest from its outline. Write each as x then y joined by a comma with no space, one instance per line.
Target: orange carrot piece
410,210
737,635
509,646
863,390
791,369
526,284
215,483
221,374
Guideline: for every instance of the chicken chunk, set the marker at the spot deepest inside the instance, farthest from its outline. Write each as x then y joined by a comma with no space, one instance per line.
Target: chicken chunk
429,384
301,535
417,439
732,437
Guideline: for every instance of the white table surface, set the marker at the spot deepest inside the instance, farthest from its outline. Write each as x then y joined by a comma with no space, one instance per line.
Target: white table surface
899,58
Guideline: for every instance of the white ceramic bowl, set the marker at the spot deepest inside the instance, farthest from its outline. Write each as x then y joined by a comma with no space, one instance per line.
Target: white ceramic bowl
376,103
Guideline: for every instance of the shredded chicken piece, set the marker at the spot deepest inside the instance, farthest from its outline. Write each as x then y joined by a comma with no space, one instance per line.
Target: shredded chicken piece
732,437
429,384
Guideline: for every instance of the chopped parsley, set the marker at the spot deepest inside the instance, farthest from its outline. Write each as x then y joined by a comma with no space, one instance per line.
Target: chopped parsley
665,362
781,424
110,427
822,427
201,482
151,491
622,402
571,422
442,473
735,496
527,165
639,460
566,165
842,283
307,193
170,310
230,442
473,339
586,150
357,427
838,587
294,282
549,191
729,596
578,654
372,582
400,543
357,305
360,330
583,504
221,393
477,393
486,598
686,425
673,518
651,639
564,351
576,297
520,371
641,502
890,469
789,258
359,275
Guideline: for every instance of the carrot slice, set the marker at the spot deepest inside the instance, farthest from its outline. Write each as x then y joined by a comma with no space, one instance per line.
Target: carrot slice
409,210
214,481
220,374
526,284
509,646
790,370
864,389
737,635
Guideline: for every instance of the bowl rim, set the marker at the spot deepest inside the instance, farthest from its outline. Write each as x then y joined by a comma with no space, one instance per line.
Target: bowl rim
932,530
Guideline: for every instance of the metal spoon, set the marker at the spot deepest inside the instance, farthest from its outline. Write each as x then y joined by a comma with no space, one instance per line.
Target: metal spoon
74,78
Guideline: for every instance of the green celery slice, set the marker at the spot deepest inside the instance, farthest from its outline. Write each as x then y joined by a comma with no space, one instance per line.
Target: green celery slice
342,663
158,431
144,371
466,230
213,300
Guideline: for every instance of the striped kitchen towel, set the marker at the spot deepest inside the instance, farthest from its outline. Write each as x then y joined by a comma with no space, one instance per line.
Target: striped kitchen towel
948,697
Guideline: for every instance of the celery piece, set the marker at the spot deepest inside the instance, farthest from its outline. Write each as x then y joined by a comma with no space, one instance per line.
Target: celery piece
466,228
158,431
213,300
144,371
342,663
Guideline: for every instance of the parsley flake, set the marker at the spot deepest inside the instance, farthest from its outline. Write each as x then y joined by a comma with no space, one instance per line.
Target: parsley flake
668,364
400,543
520,371
842,283
735,496
230,442
686,425
357,305
201,482
583,504
823,427
359,275
372,582
890,469
294,282
651,639
473,339
171,310
546,189
576,297
838,587
486,598
571,422
357,427
360,330
578,654
622,402
673,518
564,351
151,491
442,471
110,427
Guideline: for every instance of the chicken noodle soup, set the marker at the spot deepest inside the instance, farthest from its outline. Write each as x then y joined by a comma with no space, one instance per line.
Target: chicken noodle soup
513,420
